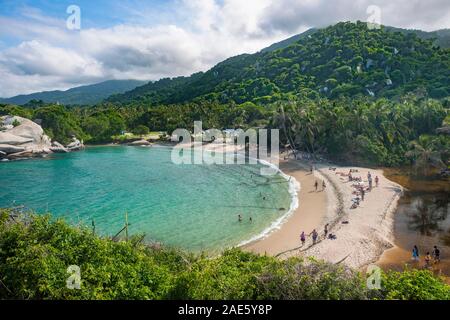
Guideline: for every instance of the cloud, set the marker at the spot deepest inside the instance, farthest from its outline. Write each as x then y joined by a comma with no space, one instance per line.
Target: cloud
291,16
192,35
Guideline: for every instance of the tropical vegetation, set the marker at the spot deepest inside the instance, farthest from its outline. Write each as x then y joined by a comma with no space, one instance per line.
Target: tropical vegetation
36,252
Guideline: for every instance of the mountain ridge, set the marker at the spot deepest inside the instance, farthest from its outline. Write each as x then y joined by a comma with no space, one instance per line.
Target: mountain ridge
81,95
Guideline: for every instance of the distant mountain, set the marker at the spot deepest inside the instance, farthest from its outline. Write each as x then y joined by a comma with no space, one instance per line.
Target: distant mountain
84,95
346,59
440,37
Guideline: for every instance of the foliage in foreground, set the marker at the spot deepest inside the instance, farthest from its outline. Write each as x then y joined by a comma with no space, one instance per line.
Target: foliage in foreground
35,252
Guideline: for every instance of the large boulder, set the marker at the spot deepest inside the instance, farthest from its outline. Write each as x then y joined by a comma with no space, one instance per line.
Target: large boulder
26,128
25,135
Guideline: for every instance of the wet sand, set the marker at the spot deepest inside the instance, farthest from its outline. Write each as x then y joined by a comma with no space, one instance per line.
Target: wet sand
310,214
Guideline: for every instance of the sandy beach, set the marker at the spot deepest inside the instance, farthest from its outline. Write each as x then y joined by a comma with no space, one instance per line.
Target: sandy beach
361,233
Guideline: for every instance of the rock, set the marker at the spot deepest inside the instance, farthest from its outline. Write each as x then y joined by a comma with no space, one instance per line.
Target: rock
8,138
140,143
27,129
22,155
58,147
75,145
27,136
7,148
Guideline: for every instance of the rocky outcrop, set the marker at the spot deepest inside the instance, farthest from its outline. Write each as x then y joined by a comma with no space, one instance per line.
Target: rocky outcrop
75,145
58,147
140,143
23,138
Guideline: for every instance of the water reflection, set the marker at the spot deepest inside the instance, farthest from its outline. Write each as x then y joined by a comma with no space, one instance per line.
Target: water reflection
422,218
426,213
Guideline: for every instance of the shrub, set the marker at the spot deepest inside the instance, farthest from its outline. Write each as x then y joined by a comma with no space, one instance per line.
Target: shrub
414,285
35,252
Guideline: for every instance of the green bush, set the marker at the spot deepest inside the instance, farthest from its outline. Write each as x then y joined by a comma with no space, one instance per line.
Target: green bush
36,251
414,285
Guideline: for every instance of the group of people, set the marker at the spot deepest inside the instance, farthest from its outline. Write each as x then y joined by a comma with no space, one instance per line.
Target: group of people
361,190
315,235
240,218
435,256
316,185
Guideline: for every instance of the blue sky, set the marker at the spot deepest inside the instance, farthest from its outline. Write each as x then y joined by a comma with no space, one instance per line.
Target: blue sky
148,40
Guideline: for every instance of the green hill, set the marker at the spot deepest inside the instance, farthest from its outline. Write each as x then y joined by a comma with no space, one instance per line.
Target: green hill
89,94
346,59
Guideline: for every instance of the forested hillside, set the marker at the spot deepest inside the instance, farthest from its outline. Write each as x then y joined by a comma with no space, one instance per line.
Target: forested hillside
346,59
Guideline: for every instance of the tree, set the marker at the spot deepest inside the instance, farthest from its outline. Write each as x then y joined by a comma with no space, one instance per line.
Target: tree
141,130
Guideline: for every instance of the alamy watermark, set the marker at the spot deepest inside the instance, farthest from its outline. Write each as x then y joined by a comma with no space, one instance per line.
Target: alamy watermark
74,280
374,277
232,146
73,22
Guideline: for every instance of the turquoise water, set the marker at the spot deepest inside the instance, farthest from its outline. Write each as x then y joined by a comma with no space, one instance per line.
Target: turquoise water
190,206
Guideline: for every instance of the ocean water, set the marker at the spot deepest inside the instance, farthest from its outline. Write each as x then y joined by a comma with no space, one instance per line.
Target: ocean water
194,207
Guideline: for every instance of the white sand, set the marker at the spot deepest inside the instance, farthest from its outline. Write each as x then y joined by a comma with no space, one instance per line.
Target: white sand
370,226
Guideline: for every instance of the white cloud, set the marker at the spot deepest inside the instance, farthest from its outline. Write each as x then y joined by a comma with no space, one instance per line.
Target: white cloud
201,34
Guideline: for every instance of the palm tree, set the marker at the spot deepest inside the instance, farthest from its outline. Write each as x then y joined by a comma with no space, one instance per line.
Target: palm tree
284,121
424,155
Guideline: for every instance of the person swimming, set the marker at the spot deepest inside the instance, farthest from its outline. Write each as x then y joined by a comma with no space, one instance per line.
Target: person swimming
239,218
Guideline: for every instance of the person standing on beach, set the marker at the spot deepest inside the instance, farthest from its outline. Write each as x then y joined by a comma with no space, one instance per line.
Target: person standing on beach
316,185
436,254
363,193
415,253
325,231
314,236
303,238
377,181
323,185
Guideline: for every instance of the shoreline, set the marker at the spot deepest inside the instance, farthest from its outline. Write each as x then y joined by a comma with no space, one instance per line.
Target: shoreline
286,235
359,242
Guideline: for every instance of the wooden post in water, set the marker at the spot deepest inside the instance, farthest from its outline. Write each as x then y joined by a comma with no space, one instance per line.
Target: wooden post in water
93,226
126,225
